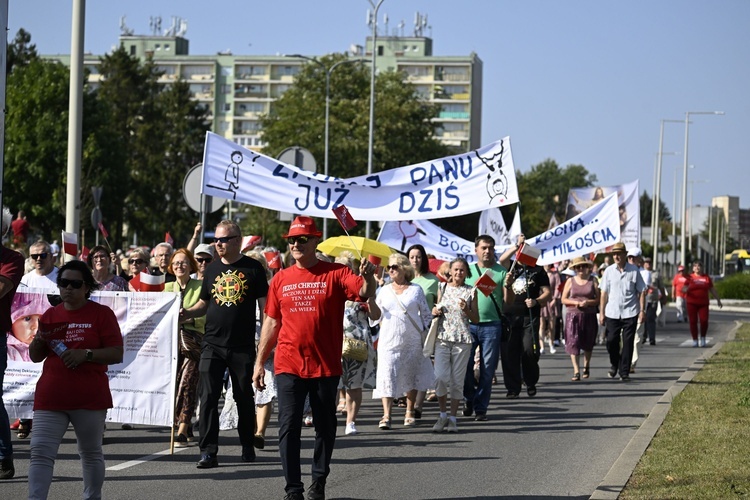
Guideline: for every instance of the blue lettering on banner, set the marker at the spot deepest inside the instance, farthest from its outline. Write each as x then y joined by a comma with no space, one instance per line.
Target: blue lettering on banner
430,199
566,227
307,198
460,166
597,238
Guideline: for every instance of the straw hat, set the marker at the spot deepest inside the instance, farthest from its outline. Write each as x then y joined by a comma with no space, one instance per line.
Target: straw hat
580,261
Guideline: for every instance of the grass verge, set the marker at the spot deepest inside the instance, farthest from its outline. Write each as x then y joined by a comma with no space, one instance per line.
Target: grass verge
702,449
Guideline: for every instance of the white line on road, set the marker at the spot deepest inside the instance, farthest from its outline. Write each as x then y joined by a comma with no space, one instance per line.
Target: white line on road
145,459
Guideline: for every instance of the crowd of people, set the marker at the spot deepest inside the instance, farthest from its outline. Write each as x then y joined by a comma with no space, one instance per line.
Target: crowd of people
310,337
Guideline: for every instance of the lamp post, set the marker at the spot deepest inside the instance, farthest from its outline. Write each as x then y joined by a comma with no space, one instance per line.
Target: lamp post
683,253
690,220
328,71
374,22
674,217
656,202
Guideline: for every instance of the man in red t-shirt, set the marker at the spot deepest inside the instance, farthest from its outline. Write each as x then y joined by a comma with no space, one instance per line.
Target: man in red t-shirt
678,282
20,228
305,322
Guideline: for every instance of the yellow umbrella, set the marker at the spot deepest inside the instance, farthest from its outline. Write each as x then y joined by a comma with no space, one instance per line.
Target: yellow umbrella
365,246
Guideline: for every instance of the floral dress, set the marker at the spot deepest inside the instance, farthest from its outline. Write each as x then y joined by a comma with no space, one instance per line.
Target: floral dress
454,324
358,374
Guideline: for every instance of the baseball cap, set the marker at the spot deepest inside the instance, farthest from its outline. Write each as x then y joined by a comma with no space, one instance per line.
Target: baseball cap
203,248
634,252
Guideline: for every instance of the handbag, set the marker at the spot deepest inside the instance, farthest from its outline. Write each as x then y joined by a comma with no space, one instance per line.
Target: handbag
190,344
428,349
354,349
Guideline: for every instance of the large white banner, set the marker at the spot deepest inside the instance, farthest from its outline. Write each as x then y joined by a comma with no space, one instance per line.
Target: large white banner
629,208
445,187
592,230
142,385
491,222
442,244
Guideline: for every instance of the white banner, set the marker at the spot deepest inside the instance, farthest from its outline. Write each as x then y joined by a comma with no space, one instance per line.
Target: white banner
491,222
590,231
442,244
445,187
629,208
142,385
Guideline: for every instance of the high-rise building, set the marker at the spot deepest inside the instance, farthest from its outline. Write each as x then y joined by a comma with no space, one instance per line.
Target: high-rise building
731,207
237,90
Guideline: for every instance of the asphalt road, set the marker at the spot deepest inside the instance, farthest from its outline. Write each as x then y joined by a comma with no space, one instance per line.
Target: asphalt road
560,444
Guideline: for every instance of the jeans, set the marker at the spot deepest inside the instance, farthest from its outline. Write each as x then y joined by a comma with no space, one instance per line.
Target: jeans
651,321
520,354
214,361
49,429
487,337
6,444
626,326
291,391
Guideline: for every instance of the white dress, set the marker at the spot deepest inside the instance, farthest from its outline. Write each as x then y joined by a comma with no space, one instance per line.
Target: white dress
401,365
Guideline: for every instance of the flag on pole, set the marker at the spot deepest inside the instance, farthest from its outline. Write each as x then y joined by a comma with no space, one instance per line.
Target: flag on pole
250,241
85,253
168,238
344,217
273,259
103,230
527,255
70,244
486,284
151,283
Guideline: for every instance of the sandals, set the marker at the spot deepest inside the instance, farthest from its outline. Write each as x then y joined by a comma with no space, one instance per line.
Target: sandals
341,408
576,377
410,421
585,372
385,423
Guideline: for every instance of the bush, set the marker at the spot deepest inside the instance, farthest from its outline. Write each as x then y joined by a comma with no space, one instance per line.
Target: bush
736,286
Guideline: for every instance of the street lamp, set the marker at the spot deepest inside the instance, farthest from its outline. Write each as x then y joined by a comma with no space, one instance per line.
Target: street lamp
657,194
328,72
690,220
374,22
683,252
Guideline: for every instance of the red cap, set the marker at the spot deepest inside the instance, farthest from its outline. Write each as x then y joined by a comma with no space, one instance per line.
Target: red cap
303,226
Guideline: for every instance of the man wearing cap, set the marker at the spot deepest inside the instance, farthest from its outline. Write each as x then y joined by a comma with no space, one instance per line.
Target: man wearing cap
304,322
204,255
679,281
622,305
232,285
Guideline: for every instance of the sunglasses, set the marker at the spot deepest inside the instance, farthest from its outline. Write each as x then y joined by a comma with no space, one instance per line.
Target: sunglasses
298,239
203,260
225,239
394,267
64,283
136,261
35,256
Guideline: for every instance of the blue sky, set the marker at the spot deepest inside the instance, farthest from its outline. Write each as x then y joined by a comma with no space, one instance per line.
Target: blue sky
581,82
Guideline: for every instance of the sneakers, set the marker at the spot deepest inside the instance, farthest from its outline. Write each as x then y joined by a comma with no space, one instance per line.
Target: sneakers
612,372
468,408
481,417
207,461
308,421
695,343
452,426
351,429
7,470
552,349
316,491
703,342
440,425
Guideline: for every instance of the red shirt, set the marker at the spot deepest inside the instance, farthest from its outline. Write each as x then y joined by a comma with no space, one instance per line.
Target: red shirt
87,387
678,282
309,304
11,267
698,287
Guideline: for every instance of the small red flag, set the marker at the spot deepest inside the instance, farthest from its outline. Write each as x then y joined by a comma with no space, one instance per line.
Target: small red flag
168,238
486,284
273,259
527,255
344,217
85,253
103,230
151,283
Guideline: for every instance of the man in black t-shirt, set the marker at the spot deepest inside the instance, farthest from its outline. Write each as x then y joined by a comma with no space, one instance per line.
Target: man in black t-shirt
232,285
519,354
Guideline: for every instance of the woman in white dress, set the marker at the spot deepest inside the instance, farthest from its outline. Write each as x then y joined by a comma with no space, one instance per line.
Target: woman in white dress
404,316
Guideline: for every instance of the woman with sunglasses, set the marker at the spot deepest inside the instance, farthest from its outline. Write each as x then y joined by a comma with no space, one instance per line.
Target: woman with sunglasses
404,316
182,264
137,263
100,261
581,298
77,341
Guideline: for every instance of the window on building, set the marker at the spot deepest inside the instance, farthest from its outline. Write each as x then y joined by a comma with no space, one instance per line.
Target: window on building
157,46
226,89
132,50
166,46
227,106
380,50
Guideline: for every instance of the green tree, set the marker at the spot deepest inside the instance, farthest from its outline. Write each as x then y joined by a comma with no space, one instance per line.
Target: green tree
645,201
404,133
20,51
543,191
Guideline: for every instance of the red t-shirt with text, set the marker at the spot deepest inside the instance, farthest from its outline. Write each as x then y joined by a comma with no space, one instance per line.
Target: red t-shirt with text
698,287
309,304
678,282
86,387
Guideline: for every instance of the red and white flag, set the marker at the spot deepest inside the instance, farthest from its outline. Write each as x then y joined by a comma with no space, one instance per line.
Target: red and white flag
151,283
344,217
486,284
249,242
527,255
85,253
70,244
168,238
103,230
273,259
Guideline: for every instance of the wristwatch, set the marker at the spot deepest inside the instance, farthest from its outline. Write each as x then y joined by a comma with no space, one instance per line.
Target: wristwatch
89,355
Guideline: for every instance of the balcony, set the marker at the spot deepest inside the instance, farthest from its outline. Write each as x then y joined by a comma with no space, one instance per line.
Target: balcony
454,115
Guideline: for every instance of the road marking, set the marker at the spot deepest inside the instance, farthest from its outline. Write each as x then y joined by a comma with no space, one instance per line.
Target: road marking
148,458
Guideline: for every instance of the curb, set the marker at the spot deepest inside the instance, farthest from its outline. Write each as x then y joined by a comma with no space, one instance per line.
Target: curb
619,475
